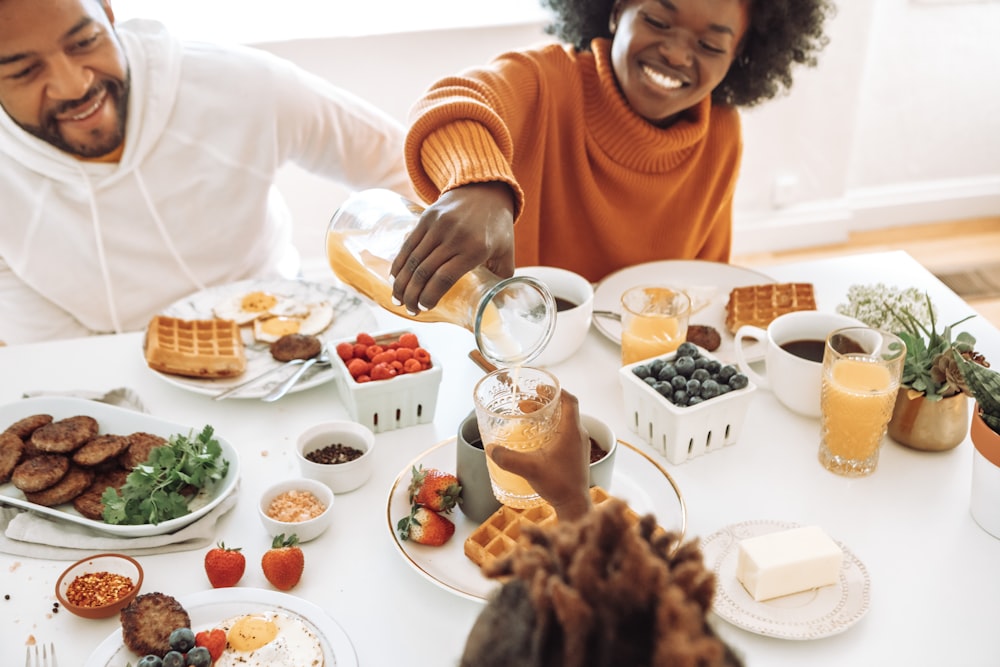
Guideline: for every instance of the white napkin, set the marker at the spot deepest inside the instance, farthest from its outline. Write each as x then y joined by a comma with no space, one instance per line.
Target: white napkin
36,536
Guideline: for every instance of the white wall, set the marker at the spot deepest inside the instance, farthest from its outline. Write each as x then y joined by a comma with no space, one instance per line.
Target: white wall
899,123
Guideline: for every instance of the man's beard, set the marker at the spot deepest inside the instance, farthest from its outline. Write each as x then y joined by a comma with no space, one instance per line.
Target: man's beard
102,143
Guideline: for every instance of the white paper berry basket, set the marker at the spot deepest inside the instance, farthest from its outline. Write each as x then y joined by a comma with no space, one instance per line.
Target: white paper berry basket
384,405
682,433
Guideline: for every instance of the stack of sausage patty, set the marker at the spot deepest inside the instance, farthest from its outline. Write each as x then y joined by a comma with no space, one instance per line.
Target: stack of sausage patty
68,460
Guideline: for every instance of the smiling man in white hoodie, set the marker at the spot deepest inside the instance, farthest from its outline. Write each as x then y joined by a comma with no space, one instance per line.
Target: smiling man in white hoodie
136,169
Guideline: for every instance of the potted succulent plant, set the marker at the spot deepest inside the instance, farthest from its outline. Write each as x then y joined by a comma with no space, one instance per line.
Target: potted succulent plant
984,385
931,411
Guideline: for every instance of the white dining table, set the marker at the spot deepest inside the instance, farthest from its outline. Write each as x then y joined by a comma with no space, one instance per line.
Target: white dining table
934,573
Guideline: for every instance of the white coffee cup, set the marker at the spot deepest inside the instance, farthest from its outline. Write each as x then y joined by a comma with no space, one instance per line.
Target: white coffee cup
795,380
572,322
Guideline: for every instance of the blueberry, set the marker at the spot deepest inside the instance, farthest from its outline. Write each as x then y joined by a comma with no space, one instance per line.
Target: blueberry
680,398
173,659
724,389
668,372
199,657
182,640
710,389
693,387
727,372
739,381
651,381
695,400
641,371
685,366
713,366
654,366
150,661
679,382
664,389
687,349
700,374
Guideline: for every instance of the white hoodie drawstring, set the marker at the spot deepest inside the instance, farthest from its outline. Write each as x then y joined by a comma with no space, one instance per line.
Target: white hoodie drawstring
102,258
199,285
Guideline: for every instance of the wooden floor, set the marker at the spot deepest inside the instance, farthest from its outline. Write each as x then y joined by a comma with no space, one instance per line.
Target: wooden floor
944,248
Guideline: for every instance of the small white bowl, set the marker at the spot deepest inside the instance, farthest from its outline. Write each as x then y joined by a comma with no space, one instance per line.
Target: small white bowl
119,564
573,323
306,530
602,470
339,477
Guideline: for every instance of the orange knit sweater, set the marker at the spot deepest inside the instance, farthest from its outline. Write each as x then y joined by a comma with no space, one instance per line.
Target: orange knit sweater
599,188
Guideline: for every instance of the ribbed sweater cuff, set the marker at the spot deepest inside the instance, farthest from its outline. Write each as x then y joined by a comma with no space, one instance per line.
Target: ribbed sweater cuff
464,152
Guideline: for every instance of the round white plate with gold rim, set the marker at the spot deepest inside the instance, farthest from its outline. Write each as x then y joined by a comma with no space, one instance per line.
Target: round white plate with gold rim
707,283
211,607
351,315
638,480
814,614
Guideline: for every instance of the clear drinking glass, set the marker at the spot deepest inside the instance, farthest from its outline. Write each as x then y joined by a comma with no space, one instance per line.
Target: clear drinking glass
654,321
861,373
517,408
512,318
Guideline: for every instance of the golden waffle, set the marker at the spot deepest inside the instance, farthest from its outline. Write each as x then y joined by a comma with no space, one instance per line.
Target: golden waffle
195,348
503,531
758,305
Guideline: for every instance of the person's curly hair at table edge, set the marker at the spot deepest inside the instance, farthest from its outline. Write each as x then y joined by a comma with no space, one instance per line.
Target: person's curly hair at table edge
781,34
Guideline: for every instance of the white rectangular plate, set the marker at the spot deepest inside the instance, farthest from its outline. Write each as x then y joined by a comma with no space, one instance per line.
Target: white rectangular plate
111,419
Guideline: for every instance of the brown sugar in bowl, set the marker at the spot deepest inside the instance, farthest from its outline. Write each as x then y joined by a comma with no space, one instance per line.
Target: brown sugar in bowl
94,587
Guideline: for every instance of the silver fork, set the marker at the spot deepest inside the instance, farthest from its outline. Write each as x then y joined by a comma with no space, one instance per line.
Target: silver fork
46,657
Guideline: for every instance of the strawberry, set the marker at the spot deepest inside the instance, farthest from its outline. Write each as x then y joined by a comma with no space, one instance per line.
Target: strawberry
224,566
283,562
213,640
425,527
434,489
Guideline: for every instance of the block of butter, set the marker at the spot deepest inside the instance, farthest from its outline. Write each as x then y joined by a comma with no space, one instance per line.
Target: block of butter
788,561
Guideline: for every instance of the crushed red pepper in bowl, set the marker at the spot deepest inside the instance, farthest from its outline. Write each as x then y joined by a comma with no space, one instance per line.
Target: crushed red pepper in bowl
99,586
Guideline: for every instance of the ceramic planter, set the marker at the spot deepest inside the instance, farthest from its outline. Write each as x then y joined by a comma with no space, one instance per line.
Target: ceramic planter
985,499
930,426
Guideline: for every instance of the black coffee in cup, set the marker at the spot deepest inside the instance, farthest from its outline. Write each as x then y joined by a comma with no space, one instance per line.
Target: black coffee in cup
810,350
564,304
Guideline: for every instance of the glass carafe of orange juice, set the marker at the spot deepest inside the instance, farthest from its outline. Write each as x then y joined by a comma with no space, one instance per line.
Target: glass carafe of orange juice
512,318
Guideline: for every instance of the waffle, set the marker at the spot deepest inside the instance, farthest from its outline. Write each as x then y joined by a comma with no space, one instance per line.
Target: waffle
195,348
758,305
502,532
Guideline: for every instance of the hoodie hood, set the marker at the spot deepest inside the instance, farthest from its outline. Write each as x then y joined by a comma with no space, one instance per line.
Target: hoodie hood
152,55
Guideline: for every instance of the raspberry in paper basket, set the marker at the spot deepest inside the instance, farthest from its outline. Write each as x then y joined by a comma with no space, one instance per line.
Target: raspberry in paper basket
283,562
224,566
434,489
368,360
425,527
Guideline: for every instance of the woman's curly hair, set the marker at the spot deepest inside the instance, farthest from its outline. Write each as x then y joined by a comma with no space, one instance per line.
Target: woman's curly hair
605,591
781,34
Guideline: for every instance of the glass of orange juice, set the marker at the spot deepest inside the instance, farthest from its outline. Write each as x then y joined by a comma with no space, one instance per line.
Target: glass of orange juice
654,321
517,408
861,373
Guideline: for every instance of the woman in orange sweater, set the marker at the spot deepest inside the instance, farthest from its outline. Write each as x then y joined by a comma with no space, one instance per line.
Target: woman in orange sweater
620,146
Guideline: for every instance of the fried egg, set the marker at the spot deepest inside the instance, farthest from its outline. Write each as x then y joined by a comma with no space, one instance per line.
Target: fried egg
316,318
246,308
269,639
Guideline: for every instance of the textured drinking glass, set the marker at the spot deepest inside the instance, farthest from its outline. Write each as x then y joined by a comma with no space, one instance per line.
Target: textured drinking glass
654,321
517,408
861,372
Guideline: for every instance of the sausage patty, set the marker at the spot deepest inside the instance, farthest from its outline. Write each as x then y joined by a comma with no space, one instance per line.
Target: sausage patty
11,448
148,621
296,346
73,483
23,428
140,445
89,502
100,449
40,472
65,435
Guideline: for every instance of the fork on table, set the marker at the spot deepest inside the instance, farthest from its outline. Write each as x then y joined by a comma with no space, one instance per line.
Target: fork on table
45,656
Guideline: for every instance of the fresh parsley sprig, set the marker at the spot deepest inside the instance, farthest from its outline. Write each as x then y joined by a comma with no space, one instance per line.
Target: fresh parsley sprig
152,491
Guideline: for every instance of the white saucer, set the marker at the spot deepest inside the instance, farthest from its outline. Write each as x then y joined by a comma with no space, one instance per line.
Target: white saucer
814,614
